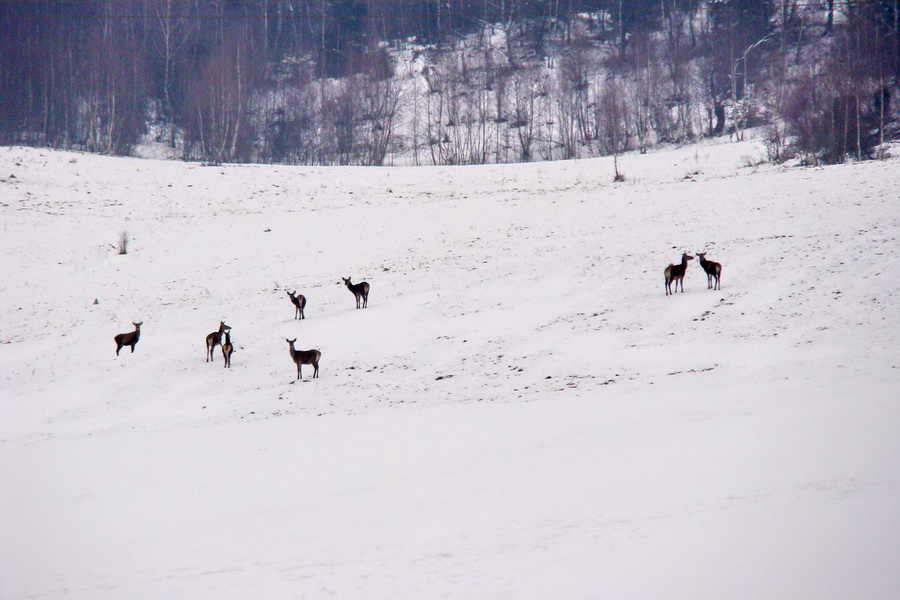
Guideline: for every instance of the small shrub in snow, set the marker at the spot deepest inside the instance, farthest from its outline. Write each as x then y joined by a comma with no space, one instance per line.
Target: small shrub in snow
123,242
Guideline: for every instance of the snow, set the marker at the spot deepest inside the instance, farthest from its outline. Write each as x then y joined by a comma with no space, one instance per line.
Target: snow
519,413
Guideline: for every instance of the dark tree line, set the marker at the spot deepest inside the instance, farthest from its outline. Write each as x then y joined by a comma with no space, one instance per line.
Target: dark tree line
314,81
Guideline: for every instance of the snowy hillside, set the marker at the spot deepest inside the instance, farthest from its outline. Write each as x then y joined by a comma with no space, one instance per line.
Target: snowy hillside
519,413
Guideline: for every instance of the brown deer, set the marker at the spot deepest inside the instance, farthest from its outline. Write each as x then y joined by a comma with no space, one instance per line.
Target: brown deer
129,339
227,349
305,357
299,304
676,273
360,290
214,339
713,271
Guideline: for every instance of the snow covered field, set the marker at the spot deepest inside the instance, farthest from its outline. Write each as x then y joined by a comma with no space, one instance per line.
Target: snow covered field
520,413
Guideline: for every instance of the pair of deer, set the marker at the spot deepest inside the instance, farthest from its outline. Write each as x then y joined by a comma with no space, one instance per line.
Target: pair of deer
215,339
302,357
675,273
360,290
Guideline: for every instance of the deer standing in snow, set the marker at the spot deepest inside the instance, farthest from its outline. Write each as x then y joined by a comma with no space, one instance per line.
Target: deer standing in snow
713,271
304,357
129,339
360,290
214,339
227,349
676,273
299,304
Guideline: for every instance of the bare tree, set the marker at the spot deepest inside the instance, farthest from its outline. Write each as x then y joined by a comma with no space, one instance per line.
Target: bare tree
612,119
217,123
381,103
527,91
176,23
111,87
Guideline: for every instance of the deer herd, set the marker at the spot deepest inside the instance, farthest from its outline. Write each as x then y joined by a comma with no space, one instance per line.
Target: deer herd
222,336
674,276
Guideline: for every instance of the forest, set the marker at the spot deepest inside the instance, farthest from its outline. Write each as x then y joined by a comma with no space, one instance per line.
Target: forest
422,82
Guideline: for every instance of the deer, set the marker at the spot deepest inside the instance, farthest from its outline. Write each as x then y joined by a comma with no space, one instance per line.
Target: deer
214,339
129,339
299,304
304,357
676,273
360,290
713,271
227,349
